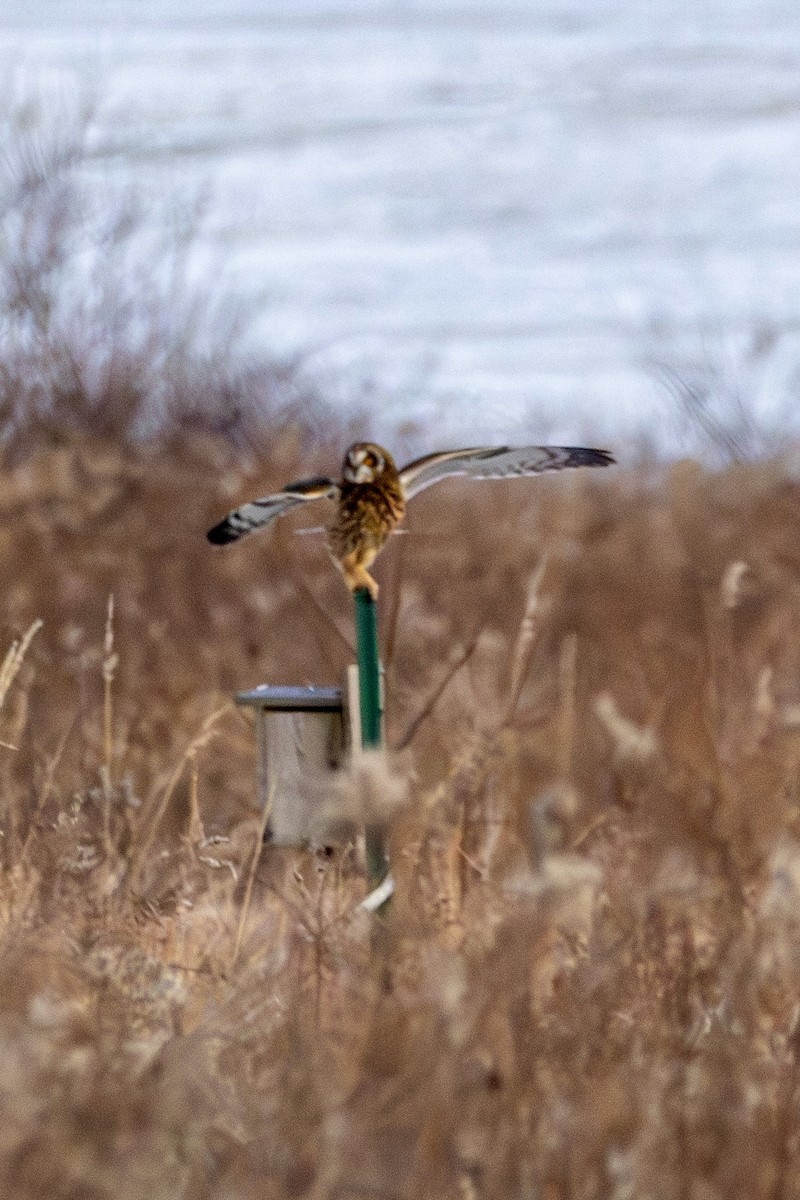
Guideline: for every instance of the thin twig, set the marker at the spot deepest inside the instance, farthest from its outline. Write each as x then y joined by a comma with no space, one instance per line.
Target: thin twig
566,732
328,623
206,732
530,631
13,660
433,699
196,832
110,661
248,891
47,786
396,595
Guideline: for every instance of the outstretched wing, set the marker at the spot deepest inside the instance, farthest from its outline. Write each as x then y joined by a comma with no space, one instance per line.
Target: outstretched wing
497,462
262,512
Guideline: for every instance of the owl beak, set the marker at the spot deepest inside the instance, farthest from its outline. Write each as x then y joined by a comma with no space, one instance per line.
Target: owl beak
363,473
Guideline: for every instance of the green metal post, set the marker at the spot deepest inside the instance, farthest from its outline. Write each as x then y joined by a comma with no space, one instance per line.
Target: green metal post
369,668
369,695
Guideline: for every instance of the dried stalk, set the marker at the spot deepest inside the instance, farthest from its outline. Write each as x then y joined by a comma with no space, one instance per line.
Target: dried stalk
207,731
530,630
196,833
251,875
110,663
15,655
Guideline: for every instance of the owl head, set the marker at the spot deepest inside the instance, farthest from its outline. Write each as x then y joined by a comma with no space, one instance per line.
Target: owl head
364,462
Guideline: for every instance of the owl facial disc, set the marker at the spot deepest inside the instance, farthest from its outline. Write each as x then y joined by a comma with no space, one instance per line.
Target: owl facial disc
362,463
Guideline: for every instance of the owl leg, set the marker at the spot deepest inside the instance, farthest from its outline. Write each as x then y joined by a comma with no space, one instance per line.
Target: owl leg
356,575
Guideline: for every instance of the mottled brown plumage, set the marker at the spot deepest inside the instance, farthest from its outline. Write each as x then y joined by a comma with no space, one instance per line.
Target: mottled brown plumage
370,504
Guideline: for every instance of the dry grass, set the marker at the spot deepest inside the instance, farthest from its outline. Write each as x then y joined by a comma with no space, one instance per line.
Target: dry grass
587,984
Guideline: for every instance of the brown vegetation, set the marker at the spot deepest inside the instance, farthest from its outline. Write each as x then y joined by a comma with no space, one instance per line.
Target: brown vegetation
587,983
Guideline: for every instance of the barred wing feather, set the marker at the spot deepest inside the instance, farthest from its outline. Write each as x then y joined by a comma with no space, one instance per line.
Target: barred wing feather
258,513
497,462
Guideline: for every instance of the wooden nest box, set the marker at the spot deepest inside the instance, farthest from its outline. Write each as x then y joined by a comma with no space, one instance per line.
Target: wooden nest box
302,739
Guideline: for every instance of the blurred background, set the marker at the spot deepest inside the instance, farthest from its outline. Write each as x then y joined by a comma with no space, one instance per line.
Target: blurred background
514,219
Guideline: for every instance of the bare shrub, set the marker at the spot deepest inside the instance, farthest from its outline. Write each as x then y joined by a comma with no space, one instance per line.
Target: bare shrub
731,402
107,327
586,983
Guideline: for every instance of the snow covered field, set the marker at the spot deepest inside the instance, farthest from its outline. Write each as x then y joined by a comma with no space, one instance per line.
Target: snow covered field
507,212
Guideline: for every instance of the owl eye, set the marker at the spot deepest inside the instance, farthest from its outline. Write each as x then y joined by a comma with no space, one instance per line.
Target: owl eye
370,459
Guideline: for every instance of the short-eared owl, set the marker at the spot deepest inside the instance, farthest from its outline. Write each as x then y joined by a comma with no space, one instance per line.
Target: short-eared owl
371,496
